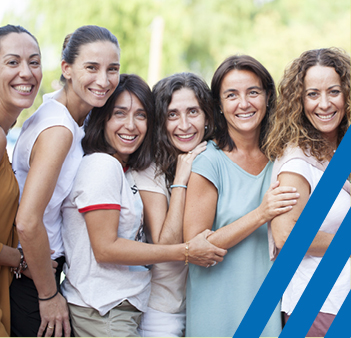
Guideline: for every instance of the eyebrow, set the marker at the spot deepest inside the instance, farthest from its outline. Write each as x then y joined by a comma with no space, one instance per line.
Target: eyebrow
125,108
97,63
18,56
235,90
332,86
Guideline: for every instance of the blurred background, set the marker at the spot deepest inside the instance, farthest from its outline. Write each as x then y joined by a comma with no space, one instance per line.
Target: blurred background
162,37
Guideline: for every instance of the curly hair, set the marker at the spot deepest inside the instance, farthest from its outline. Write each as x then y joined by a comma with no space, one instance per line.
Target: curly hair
289,125
240,62
166,153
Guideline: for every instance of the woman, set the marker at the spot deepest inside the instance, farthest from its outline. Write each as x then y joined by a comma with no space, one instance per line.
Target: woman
312,116
184,115
227,194
103,220
20,75
46,158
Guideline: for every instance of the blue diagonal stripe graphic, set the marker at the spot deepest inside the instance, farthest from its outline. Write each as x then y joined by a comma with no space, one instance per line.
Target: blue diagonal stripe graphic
298,242
321,283
341,327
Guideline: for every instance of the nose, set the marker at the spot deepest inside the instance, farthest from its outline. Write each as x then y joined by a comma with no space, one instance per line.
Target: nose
184,123
130,124
324,102
244,102
102,79
25,71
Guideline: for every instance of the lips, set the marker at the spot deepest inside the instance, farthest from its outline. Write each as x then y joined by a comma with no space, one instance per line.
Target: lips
127,138
326,117
23,89
185,136
246,115
99,93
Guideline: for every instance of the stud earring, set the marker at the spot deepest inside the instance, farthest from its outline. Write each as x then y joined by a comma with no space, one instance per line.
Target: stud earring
205,127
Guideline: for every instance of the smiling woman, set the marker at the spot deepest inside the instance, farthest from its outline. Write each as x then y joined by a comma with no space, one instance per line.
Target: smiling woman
20,77
45,159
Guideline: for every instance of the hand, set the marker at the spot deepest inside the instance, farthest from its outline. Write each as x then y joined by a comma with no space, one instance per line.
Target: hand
276,201
202,252
54,317
184,162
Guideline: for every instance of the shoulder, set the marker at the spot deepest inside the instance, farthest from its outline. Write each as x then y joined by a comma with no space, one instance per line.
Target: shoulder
3,143
101,163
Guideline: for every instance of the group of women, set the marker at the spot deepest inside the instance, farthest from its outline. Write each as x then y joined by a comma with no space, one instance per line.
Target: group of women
123,188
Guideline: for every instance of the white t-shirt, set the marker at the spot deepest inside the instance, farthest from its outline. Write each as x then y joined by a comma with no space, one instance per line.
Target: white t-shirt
309,263
51,113
102,184
168,283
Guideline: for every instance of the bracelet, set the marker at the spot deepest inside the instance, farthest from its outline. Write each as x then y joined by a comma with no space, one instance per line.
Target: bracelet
22,265
44,299
186,253
178,186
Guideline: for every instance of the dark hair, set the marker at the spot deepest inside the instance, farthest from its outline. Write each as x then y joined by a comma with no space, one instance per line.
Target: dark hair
94,140
166,154
289,124
240,62
82,36
8,29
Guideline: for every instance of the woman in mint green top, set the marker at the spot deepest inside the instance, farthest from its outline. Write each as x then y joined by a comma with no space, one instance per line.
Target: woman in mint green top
229,193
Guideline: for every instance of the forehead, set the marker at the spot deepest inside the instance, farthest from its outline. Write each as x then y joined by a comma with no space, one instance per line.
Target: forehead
99,50
183,96
319,75
18,43
128,100
240,79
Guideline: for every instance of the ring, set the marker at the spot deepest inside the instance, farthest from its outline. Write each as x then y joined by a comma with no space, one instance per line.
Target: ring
214,263
208,266
51,327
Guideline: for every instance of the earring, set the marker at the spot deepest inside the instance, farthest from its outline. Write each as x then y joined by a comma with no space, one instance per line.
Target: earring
205,128
220,112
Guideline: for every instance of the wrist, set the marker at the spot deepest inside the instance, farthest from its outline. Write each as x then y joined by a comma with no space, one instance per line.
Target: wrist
22,265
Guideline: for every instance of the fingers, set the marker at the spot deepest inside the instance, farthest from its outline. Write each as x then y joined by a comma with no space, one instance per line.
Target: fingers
66,327
198,149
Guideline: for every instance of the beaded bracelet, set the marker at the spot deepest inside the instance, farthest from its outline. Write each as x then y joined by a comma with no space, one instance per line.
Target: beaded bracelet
186,253
22,265
44,299
178,186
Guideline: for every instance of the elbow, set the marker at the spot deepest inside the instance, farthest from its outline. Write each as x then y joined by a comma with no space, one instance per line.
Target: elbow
280,240
26,226
102,255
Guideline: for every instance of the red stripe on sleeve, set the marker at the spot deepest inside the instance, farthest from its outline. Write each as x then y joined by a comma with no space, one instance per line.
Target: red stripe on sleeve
100,207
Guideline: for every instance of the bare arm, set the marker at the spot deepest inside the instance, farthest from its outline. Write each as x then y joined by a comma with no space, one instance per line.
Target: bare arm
201,207
47,157
103,225
166,223
283,224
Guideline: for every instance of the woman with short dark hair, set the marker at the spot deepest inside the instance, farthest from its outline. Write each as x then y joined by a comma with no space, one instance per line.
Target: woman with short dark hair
229,193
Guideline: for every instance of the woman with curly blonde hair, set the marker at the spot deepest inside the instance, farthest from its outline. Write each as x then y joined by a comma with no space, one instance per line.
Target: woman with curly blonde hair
311,118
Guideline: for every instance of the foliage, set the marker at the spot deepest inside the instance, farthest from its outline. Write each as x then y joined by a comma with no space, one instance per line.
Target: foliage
198,34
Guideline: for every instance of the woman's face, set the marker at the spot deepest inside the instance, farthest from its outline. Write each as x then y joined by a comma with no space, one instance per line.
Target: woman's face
243,102
186,121
20,71
127,127
324,101
94,75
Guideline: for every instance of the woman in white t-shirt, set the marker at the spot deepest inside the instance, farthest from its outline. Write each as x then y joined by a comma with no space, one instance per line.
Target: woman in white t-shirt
312,116
45,160
107,283
184,119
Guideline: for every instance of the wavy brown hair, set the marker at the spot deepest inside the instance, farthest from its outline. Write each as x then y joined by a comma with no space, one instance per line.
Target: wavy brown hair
166,153
289,125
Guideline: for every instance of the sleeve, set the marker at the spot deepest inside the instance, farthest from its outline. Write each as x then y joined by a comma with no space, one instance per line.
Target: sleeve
98,183
301,167
205,164
148,181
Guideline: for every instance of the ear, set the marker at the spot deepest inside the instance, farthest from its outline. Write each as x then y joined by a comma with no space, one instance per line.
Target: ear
66,70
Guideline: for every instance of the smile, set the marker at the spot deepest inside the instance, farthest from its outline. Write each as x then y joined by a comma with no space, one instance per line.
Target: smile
99,93
127,137
185,137
245,116
23,89
326,117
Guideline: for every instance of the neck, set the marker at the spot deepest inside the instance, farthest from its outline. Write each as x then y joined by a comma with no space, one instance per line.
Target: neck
8,119
247,142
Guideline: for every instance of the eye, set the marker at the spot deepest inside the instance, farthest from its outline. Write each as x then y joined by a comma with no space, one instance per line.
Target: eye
172,115
12,62
231,96
118,113
335,92
193,111
91,67
312,95
35,63
113,69
141,116
253,93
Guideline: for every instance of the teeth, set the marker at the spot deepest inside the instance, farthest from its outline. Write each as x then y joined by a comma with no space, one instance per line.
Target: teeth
326,117
127,137
98,93
186,136
246,115
23,88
